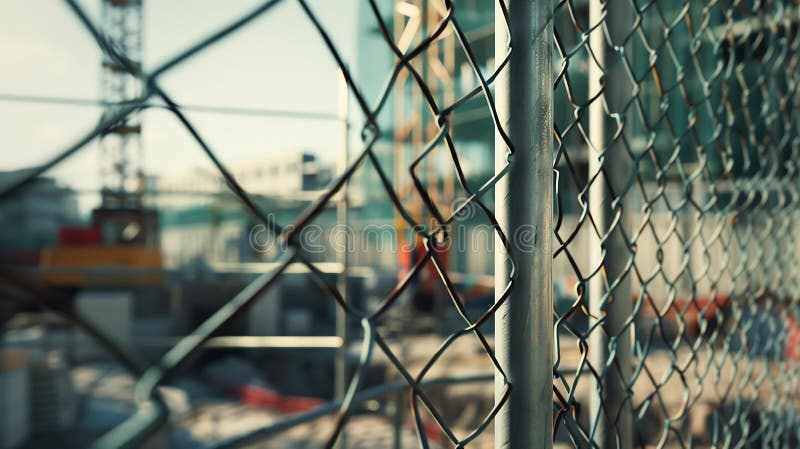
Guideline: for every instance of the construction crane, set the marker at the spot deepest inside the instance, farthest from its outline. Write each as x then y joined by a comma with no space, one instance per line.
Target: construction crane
121,245
121,155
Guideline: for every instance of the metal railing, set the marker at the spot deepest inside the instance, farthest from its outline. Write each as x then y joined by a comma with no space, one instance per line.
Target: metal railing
671,233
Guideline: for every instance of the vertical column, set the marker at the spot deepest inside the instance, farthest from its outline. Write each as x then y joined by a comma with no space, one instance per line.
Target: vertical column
610,305
524,208
340,375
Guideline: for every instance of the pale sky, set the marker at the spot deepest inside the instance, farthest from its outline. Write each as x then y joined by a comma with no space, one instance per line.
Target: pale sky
276,62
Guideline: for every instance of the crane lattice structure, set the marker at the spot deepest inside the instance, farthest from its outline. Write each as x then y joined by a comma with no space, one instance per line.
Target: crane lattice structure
121,152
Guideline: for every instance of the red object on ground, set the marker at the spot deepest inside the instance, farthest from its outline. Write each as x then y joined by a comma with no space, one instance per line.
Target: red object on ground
689,310
432,431
791,351
264,397
79,236
257,396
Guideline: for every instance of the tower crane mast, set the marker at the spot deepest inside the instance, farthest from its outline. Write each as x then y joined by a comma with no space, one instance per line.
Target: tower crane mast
121,152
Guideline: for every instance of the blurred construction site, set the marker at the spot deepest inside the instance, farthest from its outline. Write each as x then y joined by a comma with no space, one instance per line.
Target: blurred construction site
273,224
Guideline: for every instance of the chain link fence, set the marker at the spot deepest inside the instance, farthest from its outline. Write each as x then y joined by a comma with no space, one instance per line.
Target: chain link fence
677,216
151,411
673,228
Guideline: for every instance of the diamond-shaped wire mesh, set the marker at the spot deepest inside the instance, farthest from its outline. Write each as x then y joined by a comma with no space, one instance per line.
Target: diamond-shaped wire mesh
677,198
676,211
152,412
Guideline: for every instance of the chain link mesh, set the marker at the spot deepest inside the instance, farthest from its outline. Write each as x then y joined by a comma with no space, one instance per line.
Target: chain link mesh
676,212
677,199
152,413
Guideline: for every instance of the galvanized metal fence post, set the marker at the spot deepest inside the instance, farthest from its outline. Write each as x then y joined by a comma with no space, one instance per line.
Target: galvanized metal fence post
524,206
610,306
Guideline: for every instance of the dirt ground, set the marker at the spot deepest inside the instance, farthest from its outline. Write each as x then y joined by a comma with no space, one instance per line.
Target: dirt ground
691,390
